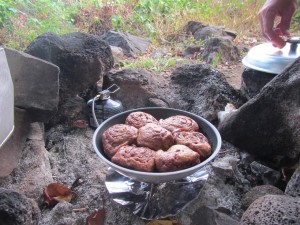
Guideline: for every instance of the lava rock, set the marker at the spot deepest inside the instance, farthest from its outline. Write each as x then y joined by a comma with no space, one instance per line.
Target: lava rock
266,174
269,124
253,81
33,170
202,90
205,32
224,166
36,84
293,187
11,151
220,50
272,209
258,192
131,45
82,59
199,89
209,216
17,209
137,87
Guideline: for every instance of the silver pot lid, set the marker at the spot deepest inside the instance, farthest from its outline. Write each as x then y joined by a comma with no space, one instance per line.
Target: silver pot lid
267,58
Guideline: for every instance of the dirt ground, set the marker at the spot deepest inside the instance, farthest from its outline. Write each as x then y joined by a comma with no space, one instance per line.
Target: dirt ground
233,74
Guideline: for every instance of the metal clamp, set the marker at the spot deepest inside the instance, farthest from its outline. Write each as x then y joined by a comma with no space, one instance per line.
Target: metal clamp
113,88
294,41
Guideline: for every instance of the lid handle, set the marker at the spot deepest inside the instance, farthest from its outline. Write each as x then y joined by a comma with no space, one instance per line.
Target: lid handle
294,41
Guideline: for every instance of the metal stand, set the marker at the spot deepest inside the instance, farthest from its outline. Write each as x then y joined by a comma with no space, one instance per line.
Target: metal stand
154,201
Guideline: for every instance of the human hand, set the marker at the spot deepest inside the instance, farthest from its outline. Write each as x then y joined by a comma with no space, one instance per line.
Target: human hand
269,11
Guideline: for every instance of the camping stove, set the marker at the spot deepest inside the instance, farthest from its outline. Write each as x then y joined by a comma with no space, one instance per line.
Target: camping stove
154,195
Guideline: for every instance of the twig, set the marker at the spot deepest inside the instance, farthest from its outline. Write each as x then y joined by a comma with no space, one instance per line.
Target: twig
80,209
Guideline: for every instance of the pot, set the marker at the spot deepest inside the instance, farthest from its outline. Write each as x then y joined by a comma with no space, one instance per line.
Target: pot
263,62
269,59
159,113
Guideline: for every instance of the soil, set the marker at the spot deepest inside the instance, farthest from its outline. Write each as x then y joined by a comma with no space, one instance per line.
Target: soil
233,74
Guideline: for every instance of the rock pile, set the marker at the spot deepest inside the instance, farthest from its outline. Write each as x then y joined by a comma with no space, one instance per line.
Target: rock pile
247,183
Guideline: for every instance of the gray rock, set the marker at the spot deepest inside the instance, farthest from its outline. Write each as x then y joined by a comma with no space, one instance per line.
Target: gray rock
293,187
36,84
74,109
231,33
11,151
272,209
258,192
196,88
117,53
131,45
192,26
159,53
219,198
155,102
62,213
224,166
137,87
36,131
202,90
203,32
253,81
209,216
269,124
220,50
266,174
33,172
17,209
209,32
190,51
82,59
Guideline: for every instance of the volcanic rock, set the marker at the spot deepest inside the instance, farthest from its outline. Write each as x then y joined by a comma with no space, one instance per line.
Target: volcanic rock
268,125
258,192
272,209
17,209
293,187
82,59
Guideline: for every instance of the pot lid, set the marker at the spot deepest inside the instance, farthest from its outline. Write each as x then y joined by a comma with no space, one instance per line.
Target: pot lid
267,58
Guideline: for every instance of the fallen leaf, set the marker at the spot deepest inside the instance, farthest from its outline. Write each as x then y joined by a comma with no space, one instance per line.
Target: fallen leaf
160,222
163,222
55,193
80,124
96,218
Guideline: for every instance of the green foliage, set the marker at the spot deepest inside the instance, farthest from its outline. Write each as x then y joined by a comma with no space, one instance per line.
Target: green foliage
159,64
152,13
217,59
118,23
32,18
23,20
7,9
296,19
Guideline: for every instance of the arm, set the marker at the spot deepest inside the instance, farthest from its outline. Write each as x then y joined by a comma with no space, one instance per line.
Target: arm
269,11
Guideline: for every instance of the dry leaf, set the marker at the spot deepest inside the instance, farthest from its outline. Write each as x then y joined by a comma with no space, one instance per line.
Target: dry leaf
96,218
55,193
163,222
80,124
